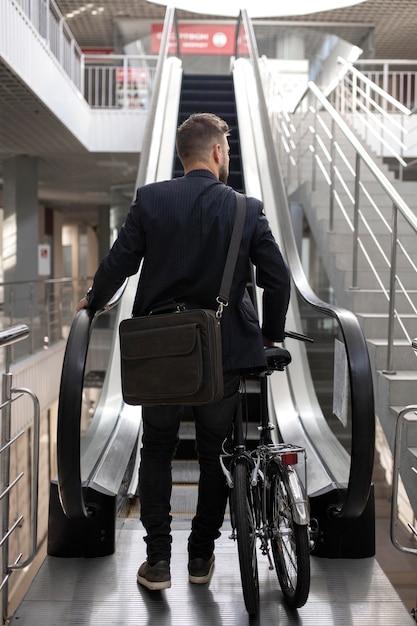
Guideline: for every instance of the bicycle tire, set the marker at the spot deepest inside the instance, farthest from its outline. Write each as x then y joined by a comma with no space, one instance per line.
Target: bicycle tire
244,520
289,540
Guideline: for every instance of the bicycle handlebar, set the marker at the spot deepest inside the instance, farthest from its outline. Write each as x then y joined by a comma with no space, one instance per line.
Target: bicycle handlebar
278,358
299,336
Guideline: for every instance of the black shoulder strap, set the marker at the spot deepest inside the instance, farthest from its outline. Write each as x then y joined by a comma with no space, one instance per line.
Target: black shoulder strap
229,268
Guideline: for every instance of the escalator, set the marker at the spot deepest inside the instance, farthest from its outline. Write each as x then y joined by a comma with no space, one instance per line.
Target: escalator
349,586
340,486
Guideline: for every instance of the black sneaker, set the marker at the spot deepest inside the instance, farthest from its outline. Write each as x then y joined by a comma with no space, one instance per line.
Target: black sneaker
200,571
154,577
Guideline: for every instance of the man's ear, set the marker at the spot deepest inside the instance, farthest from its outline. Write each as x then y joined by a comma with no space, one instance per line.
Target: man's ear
217,152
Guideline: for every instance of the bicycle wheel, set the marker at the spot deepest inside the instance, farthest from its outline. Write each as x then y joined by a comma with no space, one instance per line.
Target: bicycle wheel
289,540
244,520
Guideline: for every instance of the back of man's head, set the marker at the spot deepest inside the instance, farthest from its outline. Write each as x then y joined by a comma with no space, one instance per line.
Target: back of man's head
198,134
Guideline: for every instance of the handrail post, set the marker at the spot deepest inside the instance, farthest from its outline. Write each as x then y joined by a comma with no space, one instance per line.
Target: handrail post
313,171
332,177
354,93
391,309
4,482
356,223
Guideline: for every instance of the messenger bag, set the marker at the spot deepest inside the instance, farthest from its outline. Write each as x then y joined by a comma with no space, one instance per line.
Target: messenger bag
176,357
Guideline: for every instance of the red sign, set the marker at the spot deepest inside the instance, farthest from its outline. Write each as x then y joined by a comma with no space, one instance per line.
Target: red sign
198,39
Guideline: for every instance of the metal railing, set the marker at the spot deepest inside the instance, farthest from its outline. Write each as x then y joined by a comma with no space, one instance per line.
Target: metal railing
395,76
49,22
111,81
376,113
401,418
10,394
119,81
317,146
47,306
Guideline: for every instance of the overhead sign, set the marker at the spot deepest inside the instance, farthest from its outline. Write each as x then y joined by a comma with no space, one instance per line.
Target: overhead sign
200,39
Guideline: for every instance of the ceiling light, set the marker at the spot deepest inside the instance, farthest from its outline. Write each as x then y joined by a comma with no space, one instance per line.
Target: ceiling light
259,8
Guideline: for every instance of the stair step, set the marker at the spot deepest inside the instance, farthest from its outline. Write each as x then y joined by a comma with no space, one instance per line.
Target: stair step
213,93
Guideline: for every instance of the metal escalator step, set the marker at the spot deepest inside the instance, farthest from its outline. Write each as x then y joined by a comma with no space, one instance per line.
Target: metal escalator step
185,471
184,501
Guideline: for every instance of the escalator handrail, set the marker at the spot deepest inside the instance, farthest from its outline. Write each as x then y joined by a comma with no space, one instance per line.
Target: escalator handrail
69,410
72,378
169,24
359,367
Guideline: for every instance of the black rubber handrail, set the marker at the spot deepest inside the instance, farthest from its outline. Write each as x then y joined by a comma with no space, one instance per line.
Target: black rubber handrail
69,410
69,417
359,367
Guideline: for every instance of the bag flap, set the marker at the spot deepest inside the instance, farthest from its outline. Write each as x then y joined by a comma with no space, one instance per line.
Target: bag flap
159,342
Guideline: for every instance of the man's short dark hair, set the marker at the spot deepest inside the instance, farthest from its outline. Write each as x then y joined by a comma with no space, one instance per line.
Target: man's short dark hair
198,134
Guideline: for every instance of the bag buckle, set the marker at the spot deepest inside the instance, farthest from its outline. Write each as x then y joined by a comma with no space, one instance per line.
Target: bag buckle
222,302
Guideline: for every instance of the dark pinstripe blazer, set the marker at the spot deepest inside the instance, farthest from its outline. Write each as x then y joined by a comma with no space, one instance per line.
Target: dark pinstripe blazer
181,228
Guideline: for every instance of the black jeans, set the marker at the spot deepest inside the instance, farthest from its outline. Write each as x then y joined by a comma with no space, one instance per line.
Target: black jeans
160,438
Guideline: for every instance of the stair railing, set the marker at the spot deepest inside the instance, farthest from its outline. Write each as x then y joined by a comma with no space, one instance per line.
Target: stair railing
10,395
376,114
310,141
399,447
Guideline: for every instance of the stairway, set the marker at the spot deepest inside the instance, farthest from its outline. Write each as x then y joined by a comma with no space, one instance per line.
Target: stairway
368,301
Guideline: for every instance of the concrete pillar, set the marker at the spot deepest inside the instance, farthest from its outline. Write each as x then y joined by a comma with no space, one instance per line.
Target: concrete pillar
20,234
21,219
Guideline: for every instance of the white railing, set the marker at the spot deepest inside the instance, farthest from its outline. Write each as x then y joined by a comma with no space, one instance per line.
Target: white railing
119,81
47,19
376,114
396,77
317,145
107,81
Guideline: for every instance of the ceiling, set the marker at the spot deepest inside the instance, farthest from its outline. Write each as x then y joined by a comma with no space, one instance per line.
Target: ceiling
77,182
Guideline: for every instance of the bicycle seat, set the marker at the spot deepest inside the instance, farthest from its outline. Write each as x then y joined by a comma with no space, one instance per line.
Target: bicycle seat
277,358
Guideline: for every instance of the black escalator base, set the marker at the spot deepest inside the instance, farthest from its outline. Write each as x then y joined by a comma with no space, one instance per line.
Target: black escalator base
206,93
90,537
339,538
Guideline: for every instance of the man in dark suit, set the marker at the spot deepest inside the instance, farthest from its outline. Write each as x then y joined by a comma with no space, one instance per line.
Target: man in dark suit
181,229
